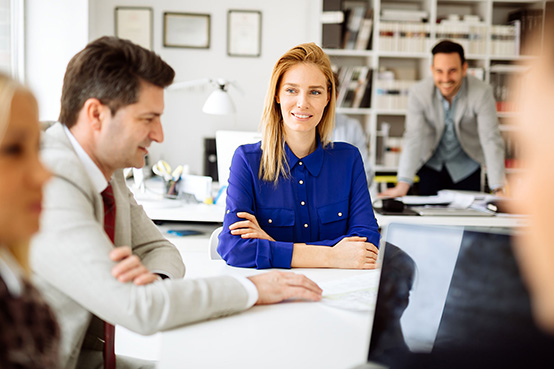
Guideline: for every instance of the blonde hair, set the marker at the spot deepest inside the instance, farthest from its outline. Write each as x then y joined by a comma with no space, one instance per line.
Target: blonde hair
274,162
8,89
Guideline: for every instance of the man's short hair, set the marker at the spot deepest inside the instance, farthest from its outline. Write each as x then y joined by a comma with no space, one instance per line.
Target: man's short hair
449,47
111,70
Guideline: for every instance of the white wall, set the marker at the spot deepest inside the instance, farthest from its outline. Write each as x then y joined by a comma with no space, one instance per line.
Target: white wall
285,23
55,30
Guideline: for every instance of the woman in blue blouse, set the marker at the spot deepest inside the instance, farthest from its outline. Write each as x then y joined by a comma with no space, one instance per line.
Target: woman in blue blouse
296,199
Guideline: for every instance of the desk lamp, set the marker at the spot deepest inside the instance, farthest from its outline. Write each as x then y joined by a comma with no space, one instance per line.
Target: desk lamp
219,102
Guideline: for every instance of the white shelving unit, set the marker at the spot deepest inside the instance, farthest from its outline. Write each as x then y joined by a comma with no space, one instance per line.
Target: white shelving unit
416,65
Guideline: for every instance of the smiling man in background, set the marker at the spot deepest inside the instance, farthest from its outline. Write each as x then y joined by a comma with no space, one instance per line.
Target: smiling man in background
451,130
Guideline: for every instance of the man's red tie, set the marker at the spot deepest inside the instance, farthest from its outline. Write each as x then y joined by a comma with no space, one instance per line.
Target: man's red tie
109,227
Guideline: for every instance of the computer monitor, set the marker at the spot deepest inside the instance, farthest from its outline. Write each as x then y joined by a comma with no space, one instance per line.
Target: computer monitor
226,143
452,297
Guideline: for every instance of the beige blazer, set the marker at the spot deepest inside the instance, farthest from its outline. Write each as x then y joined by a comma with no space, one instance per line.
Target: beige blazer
476,126
69,257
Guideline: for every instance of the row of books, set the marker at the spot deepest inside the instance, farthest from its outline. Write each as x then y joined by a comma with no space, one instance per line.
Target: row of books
506,86
354,87
388,148
505,39
405,37
471,35
392,94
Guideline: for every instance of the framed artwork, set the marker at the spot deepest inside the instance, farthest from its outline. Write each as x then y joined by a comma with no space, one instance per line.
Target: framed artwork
134,24
190,30
244,33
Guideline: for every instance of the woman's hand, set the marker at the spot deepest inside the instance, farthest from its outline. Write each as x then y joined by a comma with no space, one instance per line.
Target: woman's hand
354,253
248,228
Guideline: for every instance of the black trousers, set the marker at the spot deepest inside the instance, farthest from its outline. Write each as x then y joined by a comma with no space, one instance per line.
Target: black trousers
431,181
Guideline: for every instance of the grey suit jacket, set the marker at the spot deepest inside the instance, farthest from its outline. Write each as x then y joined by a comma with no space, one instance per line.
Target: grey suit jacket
476,126
71,266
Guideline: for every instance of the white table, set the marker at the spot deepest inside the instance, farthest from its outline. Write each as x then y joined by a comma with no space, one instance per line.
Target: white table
286,335
506,221
174,210
159,208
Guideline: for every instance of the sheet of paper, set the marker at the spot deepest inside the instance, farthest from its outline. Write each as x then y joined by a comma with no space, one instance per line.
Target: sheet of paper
357,293
461,201
427,200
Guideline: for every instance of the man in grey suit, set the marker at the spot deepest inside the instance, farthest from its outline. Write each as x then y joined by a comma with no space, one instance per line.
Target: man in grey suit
451,130
112,100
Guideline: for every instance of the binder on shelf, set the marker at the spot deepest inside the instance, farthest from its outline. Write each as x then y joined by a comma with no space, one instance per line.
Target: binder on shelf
363,97
331,5
363,42
361,84
331,36
345,74
355,13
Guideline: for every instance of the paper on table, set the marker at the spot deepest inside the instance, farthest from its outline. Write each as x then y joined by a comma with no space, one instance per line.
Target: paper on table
357,293
426,200
453,199
461,201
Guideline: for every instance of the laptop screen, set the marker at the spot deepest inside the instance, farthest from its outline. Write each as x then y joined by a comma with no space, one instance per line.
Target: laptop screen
446,289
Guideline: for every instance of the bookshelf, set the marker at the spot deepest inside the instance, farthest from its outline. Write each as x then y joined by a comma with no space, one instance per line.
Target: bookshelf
398,52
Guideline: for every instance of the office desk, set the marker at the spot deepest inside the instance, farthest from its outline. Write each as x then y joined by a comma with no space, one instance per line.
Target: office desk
286,335
504,221
177,211
159,208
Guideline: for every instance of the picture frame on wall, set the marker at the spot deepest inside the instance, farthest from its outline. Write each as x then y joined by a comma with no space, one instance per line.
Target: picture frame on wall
244,33
188,30
134,24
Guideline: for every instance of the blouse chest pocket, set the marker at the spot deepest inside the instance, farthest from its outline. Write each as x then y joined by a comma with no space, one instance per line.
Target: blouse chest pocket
277,222
333,220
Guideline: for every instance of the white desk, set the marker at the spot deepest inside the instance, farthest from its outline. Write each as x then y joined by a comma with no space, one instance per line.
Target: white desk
175,210
159,208
506,221
286,335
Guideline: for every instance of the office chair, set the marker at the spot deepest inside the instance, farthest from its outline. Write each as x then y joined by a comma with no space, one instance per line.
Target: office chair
214,241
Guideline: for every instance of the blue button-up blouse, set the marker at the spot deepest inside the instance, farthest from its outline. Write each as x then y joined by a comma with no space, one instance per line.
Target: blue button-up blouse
324,199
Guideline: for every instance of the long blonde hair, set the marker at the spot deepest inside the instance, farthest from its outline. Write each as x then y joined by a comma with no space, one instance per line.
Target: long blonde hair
8,89
274,161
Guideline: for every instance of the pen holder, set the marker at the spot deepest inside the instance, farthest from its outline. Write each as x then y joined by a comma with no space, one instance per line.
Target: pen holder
170,188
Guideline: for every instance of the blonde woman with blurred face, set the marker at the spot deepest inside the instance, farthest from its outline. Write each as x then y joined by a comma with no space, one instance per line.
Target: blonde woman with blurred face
296,199
533,192
29,336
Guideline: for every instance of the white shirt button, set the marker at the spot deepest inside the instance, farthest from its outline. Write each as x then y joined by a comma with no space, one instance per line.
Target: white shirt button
302,203
300,163
270,221
306,225
301,181
228,211
340,214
